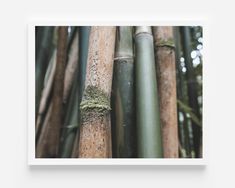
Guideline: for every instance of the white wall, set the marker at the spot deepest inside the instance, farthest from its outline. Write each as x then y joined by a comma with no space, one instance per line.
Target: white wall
219,95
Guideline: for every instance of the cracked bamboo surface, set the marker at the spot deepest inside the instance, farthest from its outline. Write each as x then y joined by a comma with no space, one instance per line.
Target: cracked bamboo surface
165,65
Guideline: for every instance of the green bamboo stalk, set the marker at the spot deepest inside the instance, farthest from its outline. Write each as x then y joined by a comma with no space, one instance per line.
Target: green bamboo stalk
183,128
124,131
43,54
192,87
148,117
84,32
166,77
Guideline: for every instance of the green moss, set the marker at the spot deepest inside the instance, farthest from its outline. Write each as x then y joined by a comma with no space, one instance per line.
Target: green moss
167,43
95,100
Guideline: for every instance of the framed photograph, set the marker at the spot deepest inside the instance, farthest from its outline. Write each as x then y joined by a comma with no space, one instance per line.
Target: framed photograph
116,94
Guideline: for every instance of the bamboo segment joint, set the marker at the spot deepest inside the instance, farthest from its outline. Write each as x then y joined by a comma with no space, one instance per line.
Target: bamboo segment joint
143,29
166,43
95,100
127,58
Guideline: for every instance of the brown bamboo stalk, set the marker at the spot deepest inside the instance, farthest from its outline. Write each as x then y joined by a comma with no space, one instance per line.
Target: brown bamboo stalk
43,134
46,92
71,68
50,145
165,60
95,133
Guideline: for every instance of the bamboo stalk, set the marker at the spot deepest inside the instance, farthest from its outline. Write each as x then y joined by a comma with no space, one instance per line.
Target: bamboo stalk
95,135
70,123
84,33
192,88
165,63
124,134
71,67
72,106
183,125
48,83
148,120
43,55
50,145
43,134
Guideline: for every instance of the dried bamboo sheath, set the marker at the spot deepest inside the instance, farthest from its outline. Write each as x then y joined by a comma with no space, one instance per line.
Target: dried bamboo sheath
165,63
148,120
124,133
95,133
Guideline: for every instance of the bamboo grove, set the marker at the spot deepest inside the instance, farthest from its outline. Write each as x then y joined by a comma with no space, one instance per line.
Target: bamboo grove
118,92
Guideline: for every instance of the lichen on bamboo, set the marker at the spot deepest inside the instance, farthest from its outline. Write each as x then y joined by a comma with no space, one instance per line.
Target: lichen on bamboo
95,100
166,43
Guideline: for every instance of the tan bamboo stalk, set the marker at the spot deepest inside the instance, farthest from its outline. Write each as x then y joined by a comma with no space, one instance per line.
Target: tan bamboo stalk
71,67
165,60
48,82
43,134
95,133
50,145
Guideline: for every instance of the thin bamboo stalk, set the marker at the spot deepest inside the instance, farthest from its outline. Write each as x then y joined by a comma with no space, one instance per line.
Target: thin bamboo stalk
71,118
148,120
84,32
70,123
71,67
43,54
183,125
192,88
165,63
50,145
43,134
95,135
124,134
48,83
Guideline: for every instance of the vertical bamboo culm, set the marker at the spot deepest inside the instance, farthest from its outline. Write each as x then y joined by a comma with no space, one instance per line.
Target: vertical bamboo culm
124,131
192,87
166,77
185,150
84,32
50,145
43,55
95,132
71,116
148,117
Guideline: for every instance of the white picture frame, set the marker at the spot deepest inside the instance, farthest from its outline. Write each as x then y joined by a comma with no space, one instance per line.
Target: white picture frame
109,161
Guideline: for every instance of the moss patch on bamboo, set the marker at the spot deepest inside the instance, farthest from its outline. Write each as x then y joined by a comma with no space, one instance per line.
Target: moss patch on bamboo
166,43
95,101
